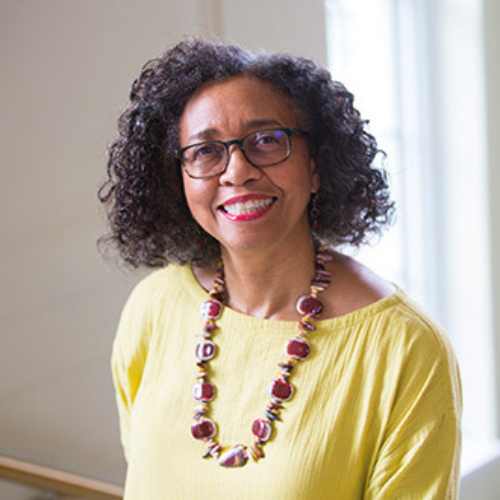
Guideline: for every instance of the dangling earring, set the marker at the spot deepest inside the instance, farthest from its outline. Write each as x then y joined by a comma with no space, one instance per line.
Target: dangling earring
314,211
197,241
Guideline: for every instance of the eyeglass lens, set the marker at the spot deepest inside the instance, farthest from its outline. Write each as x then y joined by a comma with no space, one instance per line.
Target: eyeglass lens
262,148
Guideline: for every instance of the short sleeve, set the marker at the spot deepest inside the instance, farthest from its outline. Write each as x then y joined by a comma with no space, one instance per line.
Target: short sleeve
130,350
419,457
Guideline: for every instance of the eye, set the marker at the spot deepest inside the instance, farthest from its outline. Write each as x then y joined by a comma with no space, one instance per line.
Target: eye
206,151
267,137
267,140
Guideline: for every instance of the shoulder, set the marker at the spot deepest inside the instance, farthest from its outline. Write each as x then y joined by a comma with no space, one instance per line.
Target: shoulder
407,326
353,287
150,293
416,352
147,301
358,291
157,281
399,336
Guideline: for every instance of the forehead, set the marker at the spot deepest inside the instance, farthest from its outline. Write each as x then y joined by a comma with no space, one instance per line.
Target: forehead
234,107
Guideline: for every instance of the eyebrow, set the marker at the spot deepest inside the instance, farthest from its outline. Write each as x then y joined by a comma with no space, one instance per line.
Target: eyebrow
209,133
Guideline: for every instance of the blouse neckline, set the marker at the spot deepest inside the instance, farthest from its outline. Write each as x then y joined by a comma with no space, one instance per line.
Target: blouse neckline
199,294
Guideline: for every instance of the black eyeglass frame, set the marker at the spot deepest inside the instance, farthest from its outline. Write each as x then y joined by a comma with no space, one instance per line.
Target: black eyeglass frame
289,131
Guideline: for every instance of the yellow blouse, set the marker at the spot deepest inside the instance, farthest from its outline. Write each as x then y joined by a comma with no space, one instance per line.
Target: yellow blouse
375,414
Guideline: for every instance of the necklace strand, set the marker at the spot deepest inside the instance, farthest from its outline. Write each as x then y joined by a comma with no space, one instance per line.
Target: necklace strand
280,389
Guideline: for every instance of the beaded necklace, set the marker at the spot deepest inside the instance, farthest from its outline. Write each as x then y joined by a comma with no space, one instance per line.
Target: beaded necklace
280,389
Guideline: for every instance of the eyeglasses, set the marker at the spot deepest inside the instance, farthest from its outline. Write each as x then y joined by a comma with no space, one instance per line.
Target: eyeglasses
261,148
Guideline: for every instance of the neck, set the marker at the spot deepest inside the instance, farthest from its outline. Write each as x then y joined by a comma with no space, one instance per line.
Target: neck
268,286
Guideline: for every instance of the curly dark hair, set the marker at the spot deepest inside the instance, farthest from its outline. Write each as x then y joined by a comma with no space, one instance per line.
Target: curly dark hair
150,221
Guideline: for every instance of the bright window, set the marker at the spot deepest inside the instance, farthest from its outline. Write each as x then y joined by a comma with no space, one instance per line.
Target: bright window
415,68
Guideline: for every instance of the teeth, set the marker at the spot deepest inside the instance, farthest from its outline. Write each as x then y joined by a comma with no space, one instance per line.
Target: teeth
248,207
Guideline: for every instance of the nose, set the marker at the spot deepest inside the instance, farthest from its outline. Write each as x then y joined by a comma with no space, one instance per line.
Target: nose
239,170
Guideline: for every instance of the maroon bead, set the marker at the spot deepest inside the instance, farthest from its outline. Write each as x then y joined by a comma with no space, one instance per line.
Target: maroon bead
211,309
298,348
281,390
308,305
261,429
204,429
203,392
205,350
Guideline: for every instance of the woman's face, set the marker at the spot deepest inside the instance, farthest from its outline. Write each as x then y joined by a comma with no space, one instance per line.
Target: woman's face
247,207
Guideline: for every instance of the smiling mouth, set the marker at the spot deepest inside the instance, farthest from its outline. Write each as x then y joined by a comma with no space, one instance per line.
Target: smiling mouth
247,210
248,207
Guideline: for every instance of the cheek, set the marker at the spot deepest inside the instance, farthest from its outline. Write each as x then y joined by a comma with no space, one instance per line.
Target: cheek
198,197
297,177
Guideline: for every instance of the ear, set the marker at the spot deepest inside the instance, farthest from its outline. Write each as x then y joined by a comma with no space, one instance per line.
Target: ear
315,182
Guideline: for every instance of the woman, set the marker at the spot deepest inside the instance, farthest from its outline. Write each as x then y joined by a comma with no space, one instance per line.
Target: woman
305,375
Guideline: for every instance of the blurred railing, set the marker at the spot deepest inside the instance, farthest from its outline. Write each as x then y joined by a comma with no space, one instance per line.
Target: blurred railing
66,484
